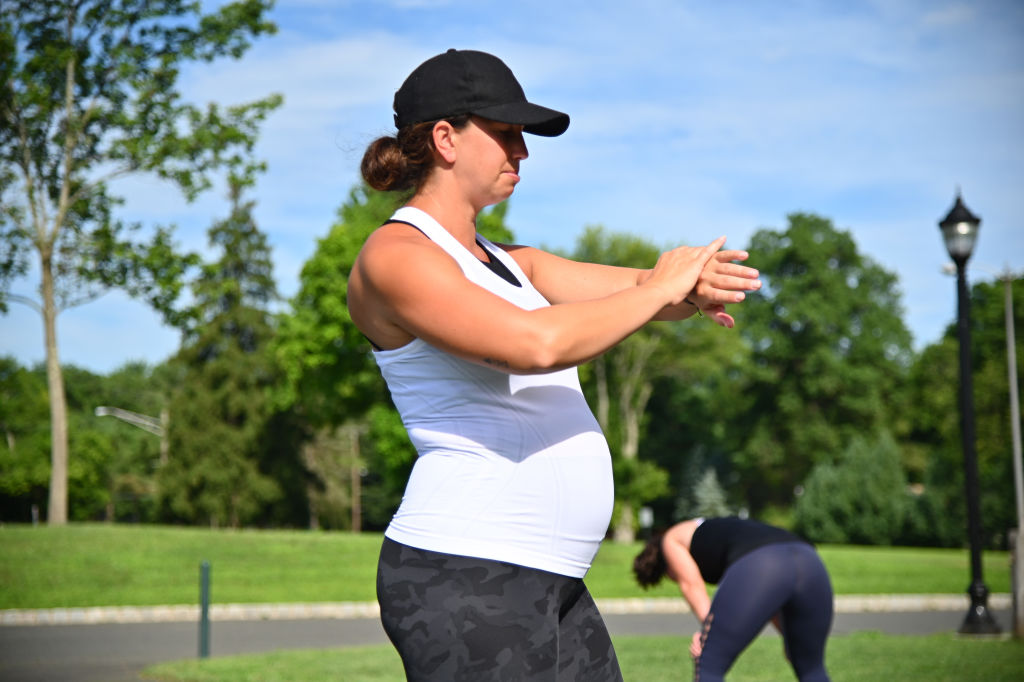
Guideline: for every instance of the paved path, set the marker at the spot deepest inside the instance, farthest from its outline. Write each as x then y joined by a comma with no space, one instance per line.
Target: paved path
93,646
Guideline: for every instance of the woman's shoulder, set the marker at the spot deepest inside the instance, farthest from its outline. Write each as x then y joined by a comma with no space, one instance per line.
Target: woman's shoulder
393,239
398,258
683,531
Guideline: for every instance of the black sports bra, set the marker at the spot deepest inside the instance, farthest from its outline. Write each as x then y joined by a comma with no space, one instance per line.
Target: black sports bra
495,266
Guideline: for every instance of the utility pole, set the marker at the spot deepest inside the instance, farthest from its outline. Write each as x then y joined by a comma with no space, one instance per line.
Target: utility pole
1017,546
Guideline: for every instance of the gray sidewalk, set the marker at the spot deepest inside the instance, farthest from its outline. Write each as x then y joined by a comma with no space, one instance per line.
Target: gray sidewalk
889,603
116,644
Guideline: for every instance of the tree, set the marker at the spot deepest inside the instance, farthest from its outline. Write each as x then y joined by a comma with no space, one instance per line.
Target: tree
992,404
220,412
709,497
91,471
829,351
328,374
330,379
25,441
132,465
861,498
111,474
335,489
88,93
934,434
622,381
698,414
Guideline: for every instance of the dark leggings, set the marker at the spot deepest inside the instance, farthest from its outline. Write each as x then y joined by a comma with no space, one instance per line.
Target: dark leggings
455,618
786,579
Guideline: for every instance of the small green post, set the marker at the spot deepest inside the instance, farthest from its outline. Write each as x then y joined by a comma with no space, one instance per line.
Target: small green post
204,609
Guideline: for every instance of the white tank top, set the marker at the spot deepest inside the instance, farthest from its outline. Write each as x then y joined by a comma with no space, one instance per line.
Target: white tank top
511,468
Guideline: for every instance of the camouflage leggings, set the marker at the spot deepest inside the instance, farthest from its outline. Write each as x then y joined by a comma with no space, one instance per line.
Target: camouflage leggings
456,618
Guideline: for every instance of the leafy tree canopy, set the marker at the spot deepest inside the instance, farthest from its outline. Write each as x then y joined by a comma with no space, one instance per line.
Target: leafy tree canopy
220,412
861,498
934,441
829,353
25,443
329,374
329,377
88,93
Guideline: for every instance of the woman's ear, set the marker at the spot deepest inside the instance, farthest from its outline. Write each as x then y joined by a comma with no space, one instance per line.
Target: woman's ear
444,140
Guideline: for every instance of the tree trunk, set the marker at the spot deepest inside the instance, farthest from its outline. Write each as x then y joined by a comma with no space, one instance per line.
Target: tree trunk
57,511
634,392
601,379
355,477
624,531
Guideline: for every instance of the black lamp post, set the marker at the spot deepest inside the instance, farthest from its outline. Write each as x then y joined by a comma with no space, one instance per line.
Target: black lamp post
960,231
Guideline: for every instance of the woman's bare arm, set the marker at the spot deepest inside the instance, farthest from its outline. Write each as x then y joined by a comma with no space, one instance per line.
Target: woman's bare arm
722,281
403,286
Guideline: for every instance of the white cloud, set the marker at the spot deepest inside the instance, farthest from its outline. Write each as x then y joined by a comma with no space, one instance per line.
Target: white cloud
688,121
950,15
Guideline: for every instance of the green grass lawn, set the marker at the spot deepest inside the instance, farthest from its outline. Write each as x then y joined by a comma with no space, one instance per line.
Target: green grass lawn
853,570
134,565
859,657
111,565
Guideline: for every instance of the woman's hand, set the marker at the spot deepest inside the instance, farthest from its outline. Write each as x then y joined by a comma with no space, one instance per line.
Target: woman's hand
695,646
724,281
678,271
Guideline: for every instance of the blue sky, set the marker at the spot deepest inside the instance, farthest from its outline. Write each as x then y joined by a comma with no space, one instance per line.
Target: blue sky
689,120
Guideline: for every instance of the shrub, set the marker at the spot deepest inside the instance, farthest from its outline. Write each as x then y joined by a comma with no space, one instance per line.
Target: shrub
861,499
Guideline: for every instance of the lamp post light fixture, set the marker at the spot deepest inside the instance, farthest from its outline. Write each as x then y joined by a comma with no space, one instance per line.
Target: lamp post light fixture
158,427
960,231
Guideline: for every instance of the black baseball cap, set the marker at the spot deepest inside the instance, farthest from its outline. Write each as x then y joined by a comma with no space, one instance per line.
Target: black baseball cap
470,82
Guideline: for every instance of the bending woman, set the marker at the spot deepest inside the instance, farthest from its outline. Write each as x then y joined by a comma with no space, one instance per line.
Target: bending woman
763,573
481,571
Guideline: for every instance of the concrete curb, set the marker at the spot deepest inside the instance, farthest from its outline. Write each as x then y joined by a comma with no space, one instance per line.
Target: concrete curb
347,610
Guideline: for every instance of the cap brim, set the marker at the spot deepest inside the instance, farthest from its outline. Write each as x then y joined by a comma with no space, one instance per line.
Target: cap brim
534,118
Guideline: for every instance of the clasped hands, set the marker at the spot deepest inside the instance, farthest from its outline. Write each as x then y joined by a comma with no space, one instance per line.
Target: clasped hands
724,281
